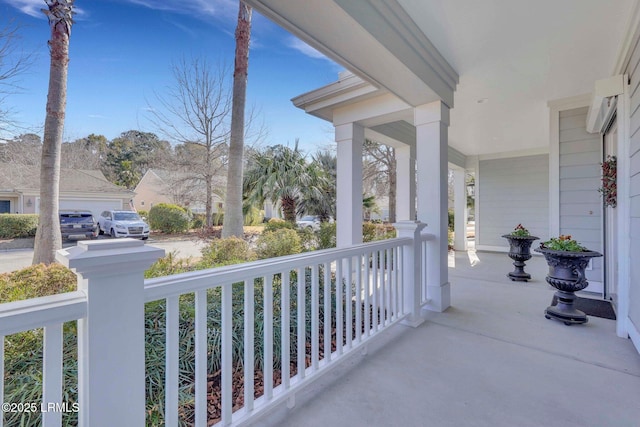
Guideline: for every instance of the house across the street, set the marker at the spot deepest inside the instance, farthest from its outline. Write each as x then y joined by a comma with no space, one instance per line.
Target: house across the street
79,189
180,188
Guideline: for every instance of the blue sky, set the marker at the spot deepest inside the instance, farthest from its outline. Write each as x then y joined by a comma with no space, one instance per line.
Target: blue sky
120,57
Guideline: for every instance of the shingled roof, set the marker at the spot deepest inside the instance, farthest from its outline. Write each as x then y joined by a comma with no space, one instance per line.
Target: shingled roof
14,177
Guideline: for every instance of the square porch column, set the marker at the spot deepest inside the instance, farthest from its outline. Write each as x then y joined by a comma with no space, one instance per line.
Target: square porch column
460,210
350,139
406,183
432,122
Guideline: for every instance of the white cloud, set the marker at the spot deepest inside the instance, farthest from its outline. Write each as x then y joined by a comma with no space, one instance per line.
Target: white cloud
34,8
30,7
300,46
197,8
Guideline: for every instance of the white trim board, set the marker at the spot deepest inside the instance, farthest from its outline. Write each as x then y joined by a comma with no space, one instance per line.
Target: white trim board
517,153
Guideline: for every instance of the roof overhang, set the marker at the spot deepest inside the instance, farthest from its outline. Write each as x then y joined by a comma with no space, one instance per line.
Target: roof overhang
376,39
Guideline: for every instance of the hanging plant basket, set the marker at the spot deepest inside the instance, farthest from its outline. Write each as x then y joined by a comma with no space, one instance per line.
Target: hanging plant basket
609,187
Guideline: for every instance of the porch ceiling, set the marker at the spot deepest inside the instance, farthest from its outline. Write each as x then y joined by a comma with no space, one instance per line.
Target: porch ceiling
511,56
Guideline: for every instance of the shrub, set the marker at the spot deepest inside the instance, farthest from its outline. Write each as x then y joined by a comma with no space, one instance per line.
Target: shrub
278,243
143,214
231,250
372,232
36,281
327,235
278,224
168,265
198,221
168,218
14,226
254,216
218,219
451,219
368,232
308,238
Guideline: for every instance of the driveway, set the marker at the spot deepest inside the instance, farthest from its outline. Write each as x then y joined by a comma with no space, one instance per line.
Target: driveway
12,260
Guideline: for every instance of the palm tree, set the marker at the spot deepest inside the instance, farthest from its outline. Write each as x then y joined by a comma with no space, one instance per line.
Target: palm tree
282,174
233,218
48,238
325,206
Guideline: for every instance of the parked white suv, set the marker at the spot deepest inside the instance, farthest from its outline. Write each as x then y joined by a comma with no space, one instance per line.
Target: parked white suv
123,224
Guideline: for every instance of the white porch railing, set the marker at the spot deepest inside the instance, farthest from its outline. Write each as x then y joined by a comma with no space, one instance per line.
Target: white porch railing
321,304
49,313
311,310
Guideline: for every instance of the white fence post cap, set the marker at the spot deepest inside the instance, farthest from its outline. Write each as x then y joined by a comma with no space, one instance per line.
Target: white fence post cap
109,257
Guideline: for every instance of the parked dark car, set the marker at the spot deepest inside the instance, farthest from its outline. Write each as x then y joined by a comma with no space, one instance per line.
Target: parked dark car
78,225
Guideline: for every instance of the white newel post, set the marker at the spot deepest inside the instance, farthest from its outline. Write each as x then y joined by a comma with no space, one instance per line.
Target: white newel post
111,368
411,270
431,122
350,139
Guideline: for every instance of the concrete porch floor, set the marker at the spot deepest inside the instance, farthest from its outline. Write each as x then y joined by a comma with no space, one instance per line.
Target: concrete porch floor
492,359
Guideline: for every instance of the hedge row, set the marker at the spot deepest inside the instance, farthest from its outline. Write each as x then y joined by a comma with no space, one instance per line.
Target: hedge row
13,226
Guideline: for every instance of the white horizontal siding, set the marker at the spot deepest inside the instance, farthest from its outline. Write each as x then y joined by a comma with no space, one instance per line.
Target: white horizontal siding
634,286
580,146
633,70
512,191
580,201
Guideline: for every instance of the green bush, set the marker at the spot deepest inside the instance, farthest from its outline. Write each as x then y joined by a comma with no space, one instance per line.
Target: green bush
168,218
198,220
277,243
308,239
168,265
13,226
368,232
143,214
372,232
36,281
230,250
218,219
254,216
278,224
326,235
451,219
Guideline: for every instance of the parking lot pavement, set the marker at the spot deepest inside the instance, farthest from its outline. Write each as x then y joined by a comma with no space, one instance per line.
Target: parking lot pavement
12,260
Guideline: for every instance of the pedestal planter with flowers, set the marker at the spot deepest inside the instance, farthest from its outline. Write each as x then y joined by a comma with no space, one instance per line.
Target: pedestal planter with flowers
567,260
520,241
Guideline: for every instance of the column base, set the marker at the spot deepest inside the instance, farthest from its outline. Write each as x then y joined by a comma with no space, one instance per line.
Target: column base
439,298
414,323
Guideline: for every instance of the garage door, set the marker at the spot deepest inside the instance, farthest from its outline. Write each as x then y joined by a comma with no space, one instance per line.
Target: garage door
93,205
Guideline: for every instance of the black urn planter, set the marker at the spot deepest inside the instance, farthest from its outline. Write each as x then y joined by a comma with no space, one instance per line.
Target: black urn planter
566,274
519,252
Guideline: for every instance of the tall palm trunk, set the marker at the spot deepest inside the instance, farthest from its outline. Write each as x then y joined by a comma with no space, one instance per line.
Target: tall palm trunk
48,238
289,209
233,218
